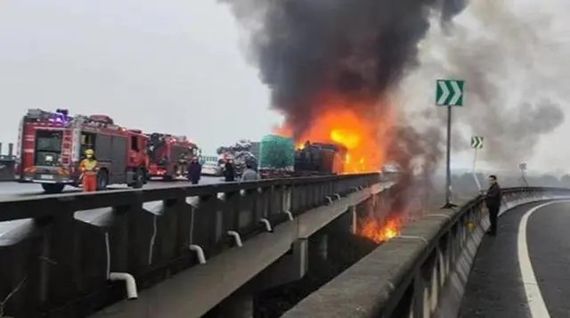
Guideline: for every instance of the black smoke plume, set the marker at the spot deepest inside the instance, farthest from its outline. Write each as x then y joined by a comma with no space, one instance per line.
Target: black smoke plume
310,50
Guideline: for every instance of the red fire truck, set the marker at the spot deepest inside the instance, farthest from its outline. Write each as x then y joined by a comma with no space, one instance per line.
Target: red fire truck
169,155
52,144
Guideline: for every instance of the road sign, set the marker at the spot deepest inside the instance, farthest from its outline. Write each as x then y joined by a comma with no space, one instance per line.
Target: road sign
449,93
477,142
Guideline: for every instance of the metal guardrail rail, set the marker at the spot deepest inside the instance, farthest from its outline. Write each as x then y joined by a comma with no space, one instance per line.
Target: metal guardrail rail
64,250
422,272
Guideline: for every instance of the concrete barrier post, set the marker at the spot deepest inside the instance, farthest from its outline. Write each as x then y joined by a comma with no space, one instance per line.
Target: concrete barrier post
285,193
62,276
247,210
204,225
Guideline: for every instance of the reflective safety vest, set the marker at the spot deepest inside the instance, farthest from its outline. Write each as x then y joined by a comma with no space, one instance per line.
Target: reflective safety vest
88,165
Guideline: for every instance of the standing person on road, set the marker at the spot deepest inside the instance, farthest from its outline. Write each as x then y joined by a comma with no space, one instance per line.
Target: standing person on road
88,167
194,171
249,174
493,200
230,171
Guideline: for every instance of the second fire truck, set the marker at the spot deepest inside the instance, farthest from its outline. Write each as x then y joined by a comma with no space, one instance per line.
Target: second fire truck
169,156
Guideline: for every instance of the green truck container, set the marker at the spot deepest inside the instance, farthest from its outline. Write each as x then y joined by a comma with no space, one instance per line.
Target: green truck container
277,153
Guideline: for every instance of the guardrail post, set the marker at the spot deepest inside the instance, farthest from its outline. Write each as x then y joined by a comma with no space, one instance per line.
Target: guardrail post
120,233
443,259
246,216
228,214
171,232
418,298
263,203
294,198
21,275
203,231
284,196
142,231
62,247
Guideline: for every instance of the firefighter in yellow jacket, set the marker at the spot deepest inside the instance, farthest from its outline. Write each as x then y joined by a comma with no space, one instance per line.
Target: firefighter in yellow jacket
88,167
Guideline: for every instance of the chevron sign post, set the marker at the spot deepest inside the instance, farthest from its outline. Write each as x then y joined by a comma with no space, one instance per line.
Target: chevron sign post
477,142
449,93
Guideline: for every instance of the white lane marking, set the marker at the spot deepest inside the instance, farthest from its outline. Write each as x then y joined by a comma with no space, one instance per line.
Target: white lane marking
533,295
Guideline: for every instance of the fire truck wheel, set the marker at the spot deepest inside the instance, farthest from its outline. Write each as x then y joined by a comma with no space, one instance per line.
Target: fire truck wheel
53,187
139,179
102,180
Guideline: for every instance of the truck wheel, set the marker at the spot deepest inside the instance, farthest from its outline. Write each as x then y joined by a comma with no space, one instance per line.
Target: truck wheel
102,180
139,179
52,188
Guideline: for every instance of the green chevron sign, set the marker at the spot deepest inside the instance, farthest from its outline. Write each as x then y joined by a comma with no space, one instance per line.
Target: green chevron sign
449,93
477,142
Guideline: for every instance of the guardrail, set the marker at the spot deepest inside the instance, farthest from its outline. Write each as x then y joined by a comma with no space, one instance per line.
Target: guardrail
59,253
422,272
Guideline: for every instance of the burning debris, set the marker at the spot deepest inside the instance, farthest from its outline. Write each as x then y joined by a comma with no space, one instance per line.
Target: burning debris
380,231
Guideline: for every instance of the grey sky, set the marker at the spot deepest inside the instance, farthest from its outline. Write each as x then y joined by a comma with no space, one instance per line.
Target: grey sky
171,66
178,66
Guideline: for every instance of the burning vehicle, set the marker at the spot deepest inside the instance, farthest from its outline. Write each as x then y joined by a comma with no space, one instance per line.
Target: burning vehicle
279,158
241,154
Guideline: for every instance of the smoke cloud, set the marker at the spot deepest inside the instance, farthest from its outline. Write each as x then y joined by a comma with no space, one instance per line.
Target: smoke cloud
512,92
374,51
310,52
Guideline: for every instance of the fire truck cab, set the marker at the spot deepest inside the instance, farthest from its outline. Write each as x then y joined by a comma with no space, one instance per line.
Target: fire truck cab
52,144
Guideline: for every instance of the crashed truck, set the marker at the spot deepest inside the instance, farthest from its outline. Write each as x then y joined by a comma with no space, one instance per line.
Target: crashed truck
242,153
279,159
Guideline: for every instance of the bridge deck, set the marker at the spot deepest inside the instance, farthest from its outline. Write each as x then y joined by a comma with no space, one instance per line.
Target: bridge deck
505,282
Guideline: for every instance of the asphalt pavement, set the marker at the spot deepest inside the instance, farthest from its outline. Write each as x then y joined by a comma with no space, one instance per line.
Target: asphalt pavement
525,270
14,189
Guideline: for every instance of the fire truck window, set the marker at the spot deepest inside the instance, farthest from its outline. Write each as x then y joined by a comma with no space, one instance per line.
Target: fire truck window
48,147
134,143
87,142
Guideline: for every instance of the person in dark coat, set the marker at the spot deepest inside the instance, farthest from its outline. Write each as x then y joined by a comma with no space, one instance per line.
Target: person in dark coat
249,174
230,171
194,171
493,200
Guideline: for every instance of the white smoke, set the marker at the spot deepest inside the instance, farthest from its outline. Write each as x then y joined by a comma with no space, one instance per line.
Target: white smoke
515,71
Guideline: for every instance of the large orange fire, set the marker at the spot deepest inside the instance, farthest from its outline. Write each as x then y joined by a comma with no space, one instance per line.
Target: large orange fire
362,134
380,232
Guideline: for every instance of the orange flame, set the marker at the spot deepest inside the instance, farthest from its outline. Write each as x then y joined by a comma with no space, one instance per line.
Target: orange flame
360,133
380,232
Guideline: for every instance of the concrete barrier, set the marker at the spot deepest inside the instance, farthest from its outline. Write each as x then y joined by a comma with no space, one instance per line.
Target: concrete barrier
421,273
58,252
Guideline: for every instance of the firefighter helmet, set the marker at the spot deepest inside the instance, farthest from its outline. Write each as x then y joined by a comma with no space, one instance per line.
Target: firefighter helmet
89,152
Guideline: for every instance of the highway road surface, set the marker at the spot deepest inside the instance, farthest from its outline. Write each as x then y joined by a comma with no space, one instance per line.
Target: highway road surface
14,189
525,270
